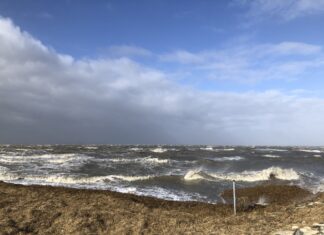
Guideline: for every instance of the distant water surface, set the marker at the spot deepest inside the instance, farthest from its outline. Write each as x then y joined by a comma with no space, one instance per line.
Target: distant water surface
182,173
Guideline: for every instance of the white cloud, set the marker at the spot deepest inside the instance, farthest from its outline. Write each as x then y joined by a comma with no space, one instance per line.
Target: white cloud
183,57
283,9
47,97
252,63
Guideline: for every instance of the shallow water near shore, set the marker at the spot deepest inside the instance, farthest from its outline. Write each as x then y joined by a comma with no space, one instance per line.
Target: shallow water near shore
195,173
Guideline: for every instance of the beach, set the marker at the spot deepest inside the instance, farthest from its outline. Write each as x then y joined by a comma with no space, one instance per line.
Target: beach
58,210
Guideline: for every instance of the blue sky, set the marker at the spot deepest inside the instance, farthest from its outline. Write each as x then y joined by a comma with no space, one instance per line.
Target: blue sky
264,57
89,29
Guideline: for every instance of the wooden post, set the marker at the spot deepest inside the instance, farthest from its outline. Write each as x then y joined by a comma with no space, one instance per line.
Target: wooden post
234,198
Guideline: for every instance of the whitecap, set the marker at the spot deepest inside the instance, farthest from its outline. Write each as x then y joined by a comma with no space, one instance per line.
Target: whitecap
228,149
193,175
91,147
271,149
271,156
223,159
310,150
207,148
68,179
136,149
247,176
159,150
144,160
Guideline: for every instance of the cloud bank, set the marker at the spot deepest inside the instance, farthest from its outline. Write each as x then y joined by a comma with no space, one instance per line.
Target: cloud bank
48,97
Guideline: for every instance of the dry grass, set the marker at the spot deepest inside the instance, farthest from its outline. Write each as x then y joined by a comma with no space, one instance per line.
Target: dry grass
56,210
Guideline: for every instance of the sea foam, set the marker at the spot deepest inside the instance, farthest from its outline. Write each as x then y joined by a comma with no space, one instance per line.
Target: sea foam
270,156
247,176
224,159
143,160
159,150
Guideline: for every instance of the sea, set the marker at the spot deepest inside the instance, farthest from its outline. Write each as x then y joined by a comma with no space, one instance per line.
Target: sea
180,173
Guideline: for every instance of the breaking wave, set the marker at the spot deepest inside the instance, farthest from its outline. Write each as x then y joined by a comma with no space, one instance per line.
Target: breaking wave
310,150
45,158
69,180
271,156
223,159
149,160
247,176
136,149
91,147
208,148
159,150
271,150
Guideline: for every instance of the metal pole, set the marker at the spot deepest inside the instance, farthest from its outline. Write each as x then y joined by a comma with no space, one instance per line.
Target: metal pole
234,198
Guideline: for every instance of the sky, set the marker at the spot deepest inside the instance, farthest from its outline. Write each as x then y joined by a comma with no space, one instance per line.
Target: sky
234,72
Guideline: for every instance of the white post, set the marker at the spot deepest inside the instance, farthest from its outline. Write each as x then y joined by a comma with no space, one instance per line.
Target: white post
234,198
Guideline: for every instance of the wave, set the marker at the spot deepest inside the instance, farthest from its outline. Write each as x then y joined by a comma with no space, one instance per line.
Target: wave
271,156
317,155
310,150
158,150
271,150
5,175
149,160
68,179
247,176
208,148
91,147
197,175
223,159
228,149
136,149
49,158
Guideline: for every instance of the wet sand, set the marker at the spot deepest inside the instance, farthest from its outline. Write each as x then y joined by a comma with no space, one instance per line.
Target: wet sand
58,210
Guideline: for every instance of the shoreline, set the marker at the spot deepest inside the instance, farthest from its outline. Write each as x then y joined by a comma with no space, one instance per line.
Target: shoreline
38,209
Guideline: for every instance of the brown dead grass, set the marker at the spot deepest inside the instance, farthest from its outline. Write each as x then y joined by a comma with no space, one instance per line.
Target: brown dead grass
57,210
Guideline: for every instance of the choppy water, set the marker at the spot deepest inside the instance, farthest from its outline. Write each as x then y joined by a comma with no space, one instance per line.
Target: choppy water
171,172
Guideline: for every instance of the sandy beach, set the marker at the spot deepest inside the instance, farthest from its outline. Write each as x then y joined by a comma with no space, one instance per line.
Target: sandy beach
58,210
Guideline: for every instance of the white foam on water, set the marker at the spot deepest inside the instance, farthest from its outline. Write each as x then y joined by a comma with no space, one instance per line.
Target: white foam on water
158,150
3,169
128,178
228,149
207,148
317,155
223,159
314,187
310,150
136,149
271,149
155,160
270,156
194,175
166,194
247,176
5,175
144,160
68,179
262,175
91,147
50,158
